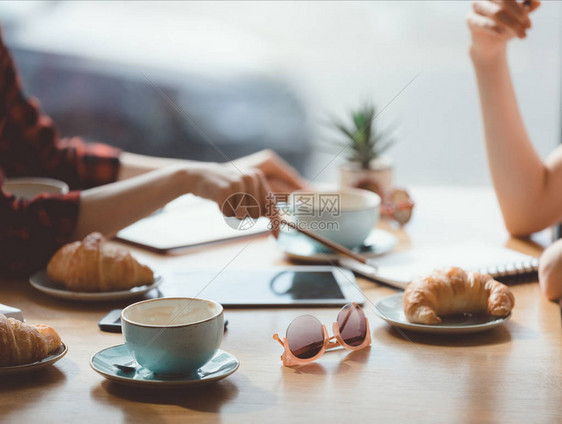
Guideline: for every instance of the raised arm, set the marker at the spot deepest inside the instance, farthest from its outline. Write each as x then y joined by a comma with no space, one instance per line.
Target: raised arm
528,190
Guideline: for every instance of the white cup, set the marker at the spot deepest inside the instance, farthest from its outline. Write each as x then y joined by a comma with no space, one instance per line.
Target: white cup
345,216
29,187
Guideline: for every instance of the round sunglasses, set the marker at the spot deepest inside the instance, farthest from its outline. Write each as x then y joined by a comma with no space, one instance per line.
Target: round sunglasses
307,338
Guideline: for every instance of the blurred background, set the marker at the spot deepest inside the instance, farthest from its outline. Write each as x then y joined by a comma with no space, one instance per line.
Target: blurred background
160,78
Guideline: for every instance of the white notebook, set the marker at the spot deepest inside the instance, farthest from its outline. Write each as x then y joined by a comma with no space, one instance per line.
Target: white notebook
186,222
11,312
399,268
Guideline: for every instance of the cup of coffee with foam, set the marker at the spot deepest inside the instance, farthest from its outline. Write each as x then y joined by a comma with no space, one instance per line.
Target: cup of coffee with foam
346,216
173,336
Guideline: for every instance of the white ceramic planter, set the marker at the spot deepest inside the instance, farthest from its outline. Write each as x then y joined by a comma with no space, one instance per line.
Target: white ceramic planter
379,175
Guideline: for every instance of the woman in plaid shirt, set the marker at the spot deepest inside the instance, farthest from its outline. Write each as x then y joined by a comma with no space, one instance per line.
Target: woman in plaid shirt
111,189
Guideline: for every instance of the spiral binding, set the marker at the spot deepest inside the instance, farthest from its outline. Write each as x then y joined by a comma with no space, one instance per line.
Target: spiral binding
511,269
514,272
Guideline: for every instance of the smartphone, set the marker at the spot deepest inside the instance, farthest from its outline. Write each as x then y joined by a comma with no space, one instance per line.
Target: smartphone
111,323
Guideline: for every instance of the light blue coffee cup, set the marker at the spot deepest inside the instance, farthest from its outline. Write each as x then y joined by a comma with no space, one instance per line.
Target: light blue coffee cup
173,336
345,216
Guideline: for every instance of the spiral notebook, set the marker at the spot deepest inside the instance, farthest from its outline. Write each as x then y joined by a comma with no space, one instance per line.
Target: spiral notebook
399,268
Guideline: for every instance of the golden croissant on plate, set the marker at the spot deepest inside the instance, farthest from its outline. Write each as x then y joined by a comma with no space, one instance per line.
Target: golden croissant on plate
93,265
22,343
453,291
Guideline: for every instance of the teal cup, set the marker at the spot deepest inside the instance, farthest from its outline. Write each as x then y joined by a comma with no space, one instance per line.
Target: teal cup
173,336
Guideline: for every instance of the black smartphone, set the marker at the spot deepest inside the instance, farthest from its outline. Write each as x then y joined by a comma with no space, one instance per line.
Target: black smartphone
111,323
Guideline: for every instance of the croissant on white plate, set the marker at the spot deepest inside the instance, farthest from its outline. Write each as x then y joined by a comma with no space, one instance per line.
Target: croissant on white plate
94,265
453,291
22,343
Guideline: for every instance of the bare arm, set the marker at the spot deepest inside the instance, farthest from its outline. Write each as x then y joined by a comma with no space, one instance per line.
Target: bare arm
110,207
550,270
281,177
133,165
147,183
528,190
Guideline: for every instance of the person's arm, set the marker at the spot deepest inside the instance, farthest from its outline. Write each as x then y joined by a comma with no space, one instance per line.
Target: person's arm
528,190
111,207
550,271
281,177
133,164
32,230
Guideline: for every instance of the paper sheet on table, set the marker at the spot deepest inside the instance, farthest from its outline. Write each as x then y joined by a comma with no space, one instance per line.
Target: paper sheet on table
186,222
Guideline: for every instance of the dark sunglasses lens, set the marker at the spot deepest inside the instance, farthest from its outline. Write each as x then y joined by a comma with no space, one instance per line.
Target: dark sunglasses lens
352,325
305,337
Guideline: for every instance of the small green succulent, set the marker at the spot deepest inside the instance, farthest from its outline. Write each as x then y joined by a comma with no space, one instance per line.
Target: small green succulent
362,140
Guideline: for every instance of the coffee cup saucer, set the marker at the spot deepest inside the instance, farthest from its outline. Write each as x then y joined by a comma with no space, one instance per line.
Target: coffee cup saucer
220,366
301,248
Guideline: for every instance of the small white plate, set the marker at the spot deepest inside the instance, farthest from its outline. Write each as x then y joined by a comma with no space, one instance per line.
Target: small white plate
220,366
41,282
29,187
391,310
299,247
38,365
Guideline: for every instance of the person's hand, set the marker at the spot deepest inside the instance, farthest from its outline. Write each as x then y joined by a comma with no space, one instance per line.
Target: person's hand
239,192
245,187
550,271
493,23
281,177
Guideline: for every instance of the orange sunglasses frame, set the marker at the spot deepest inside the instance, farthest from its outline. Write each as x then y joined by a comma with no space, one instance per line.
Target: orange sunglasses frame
336,340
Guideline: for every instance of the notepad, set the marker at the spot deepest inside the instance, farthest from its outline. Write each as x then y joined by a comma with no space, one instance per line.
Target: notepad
188,222
11,312
399,268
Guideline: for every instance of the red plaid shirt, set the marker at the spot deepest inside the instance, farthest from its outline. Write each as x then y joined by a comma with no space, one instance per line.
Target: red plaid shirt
32,230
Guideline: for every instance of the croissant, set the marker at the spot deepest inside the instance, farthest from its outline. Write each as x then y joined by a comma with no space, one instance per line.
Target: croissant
93,265
453,291
22,343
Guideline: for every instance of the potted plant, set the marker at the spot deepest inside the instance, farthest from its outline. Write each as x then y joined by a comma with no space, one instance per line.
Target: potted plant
367,166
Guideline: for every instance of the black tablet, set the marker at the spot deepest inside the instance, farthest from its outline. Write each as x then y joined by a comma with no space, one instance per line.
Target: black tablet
286,286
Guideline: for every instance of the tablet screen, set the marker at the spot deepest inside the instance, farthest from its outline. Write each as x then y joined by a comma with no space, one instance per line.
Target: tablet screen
257,287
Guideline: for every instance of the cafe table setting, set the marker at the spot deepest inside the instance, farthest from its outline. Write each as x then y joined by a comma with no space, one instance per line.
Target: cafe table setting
179,351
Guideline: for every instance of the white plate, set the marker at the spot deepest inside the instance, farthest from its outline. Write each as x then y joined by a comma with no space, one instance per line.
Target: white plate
391,310
41,282
299,247
29,187
36,366
220,366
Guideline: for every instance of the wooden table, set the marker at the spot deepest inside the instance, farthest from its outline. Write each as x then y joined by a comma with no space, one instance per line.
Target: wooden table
510,374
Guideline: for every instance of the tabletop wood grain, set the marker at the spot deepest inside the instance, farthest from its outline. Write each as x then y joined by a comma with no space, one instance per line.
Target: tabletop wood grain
510,374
